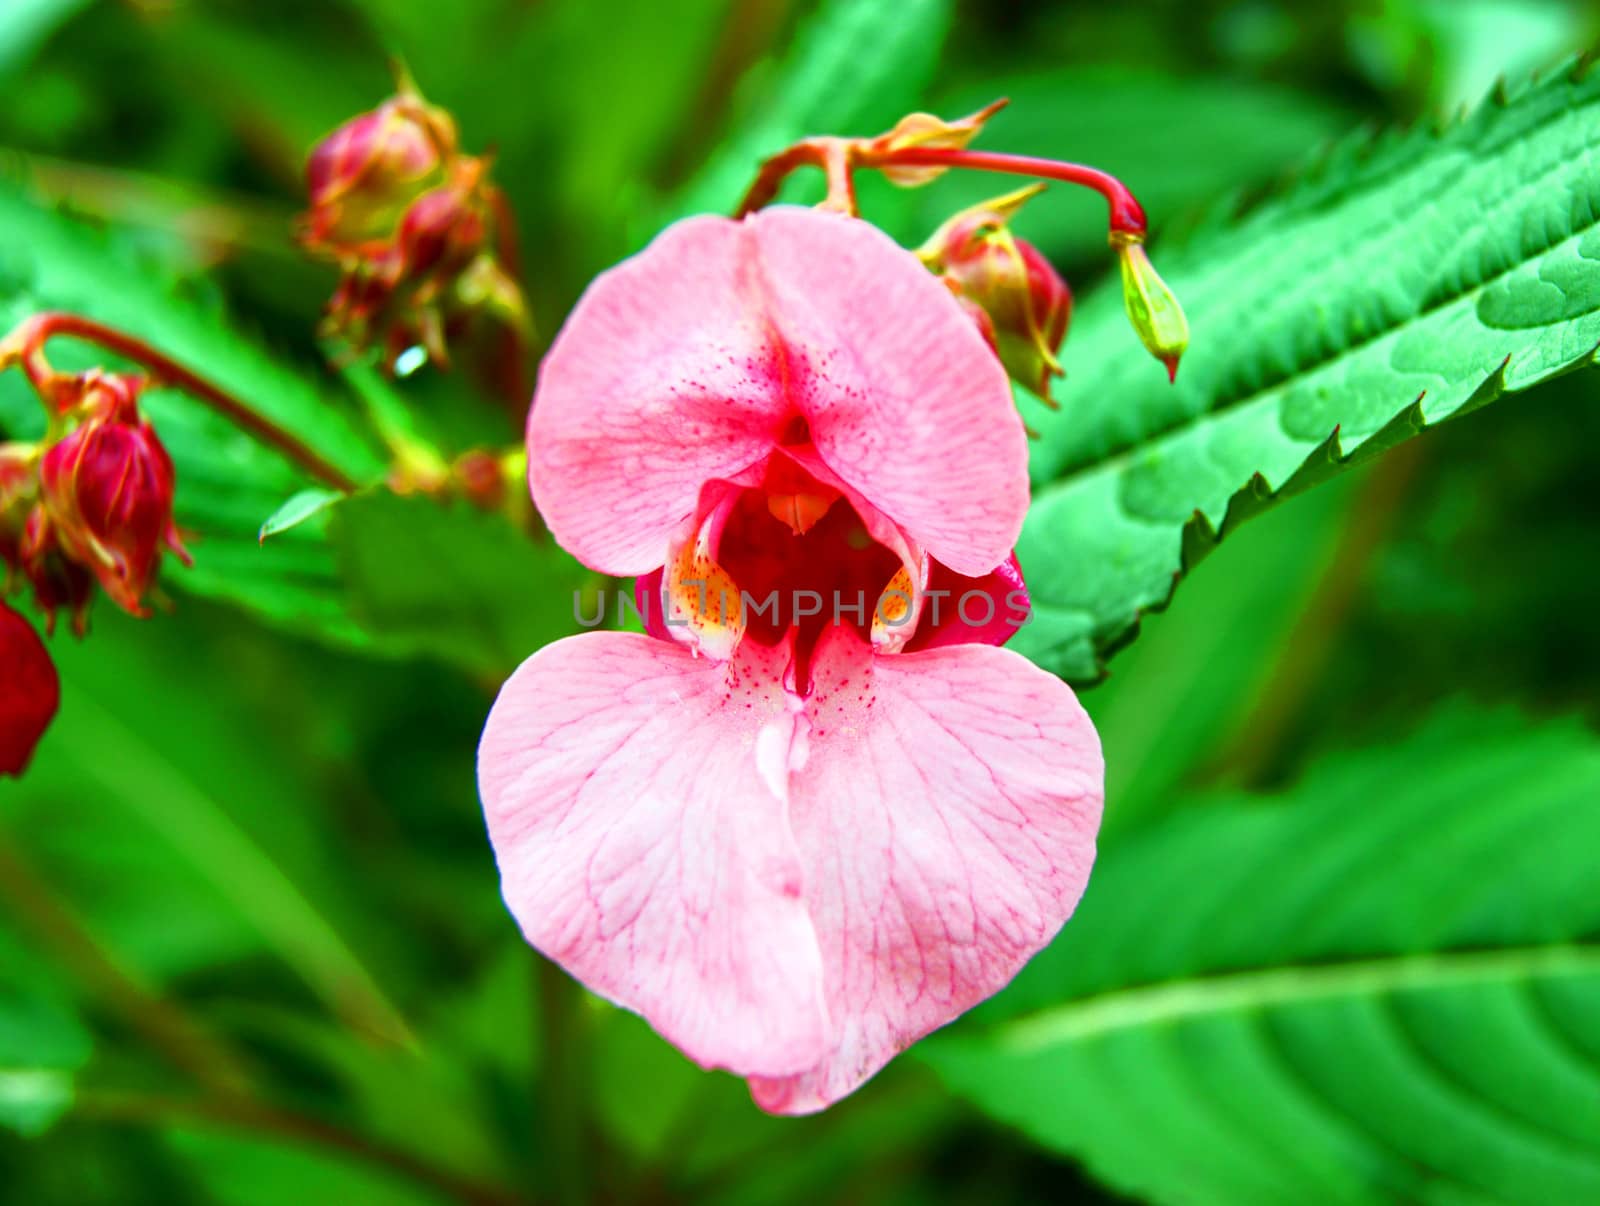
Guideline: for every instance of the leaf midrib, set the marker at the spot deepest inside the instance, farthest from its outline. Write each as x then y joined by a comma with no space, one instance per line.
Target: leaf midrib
1175,1001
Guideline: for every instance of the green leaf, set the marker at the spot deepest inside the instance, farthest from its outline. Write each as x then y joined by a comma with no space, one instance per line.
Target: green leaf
244,1169
1198,671
453,582
287,94
42,1047
1403,282
855,68
389,1088
1384,986
1477,42
170,803
228,484
648,59
26,24
302,507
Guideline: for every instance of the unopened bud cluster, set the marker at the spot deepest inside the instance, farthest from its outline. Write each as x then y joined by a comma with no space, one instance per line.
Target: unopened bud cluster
91,504
416,228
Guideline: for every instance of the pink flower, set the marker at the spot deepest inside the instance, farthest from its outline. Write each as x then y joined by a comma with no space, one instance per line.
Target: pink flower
795,843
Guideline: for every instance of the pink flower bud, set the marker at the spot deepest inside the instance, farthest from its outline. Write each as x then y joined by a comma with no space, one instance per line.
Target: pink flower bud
419,233
1026,300
107,488
363,176
30,691
445,228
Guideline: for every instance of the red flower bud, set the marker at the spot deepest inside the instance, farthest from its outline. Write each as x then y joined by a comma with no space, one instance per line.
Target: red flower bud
107,488
980,319
30,691
481,478
363,176
1028,303
445,228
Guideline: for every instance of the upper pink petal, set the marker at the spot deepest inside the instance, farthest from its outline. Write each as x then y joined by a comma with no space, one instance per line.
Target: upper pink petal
661,379
690,361
946,805
905,401
637,804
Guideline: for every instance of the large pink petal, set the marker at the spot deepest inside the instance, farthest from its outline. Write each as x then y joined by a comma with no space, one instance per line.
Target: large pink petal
690,361
637,803
906,402
946,805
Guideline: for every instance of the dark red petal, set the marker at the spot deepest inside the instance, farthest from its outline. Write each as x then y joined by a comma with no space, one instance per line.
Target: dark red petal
986,610
647,599
30,691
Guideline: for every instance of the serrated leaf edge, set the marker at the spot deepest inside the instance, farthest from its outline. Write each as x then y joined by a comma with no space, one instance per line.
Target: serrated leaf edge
1199,536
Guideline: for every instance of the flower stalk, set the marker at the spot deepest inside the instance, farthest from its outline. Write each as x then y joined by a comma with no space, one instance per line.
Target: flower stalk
25,347
922,147
839,158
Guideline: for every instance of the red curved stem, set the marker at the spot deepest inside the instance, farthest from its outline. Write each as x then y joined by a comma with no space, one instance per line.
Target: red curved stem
35,331
763,189
1127,215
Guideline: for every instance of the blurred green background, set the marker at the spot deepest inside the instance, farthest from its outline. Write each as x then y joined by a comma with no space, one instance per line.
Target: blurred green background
248,866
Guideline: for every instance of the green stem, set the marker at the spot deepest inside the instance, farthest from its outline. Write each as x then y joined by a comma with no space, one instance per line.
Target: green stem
1282,701
562,1078
236,1114
167,1028
416,461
